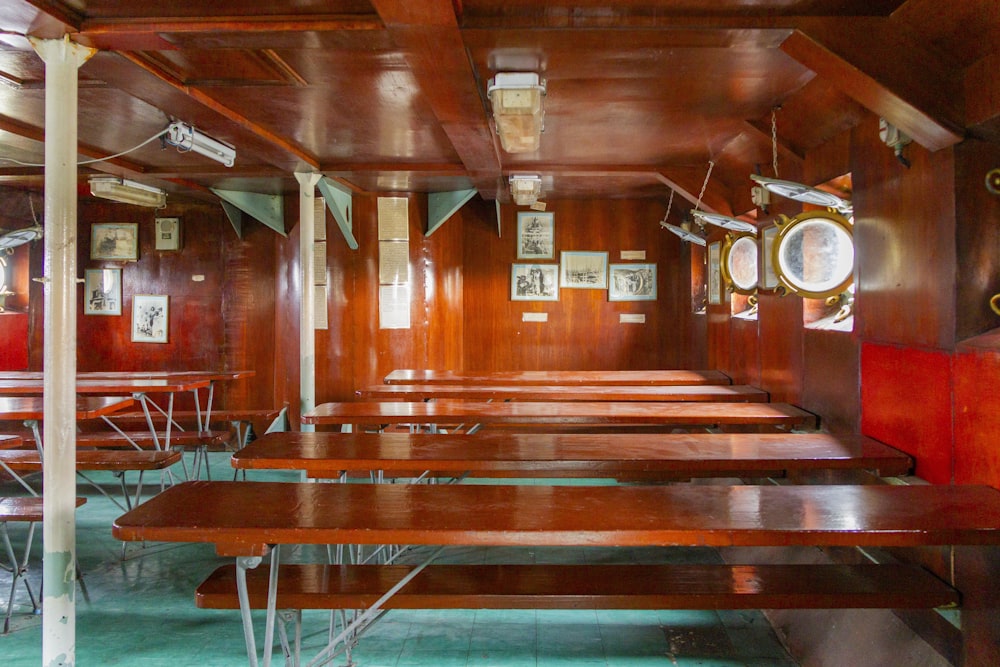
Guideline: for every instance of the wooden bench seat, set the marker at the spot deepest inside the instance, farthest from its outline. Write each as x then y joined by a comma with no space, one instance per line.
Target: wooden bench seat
481,392
28,460
190,417
212,440
688,586
662,378
668,455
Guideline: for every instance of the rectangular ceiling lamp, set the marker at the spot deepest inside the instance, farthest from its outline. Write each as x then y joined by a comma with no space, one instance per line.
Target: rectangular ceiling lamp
187,138
127,192
517,108
525,189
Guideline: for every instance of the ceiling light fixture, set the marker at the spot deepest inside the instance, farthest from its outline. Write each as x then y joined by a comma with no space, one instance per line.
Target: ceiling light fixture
723,221
127,192
804,193
187,138
517,108
525,188
683,233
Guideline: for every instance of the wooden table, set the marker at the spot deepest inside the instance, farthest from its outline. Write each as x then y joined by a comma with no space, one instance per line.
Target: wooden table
491,515
654,378
608,413
672,393
548,455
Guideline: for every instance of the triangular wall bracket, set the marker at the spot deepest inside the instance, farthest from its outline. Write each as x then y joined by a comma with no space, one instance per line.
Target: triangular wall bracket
442,205
235,216
499,235
341,205
268,209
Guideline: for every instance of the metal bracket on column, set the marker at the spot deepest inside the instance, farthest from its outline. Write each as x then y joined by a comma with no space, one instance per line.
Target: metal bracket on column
341,206
442,205
268,209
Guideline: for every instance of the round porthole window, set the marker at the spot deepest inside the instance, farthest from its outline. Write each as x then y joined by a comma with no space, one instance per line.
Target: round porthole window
813,255
739,263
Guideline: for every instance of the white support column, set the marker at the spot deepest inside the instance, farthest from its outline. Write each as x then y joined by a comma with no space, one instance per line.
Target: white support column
62,60
307,311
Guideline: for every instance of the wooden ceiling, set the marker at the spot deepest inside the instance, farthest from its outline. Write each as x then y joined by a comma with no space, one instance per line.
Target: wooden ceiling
390,95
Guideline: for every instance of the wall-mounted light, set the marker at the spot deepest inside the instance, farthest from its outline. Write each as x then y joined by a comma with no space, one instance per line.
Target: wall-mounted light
187,138
127,192
804,193
525,188
723,221
517,108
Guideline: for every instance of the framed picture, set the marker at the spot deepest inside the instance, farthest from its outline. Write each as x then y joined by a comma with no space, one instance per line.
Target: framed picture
632,282
768,278
102,292
168,233
150,318
115,240
588,270
714,274
534,282
535,235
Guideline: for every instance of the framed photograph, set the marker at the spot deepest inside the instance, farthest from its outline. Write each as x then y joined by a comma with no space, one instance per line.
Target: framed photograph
632,282
168,233
102,292
535,235
150,318
534,282
768,278
714,273
115,240
587,270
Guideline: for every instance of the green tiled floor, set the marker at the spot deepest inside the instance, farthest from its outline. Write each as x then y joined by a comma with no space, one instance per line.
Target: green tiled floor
141,612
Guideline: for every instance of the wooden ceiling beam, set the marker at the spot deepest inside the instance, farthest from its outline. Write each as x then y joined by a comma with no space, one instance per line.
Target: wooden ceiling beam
686,183
230,24
428,32
874,62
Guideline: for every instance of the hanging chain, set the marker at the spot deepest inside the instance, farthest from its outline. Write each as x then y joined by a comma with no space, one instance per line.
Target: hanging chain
704,185
670,203
774,140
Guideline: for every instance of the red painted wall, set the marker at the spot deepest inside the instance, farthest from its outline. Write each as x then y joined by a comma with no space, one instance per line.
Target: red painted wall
13,341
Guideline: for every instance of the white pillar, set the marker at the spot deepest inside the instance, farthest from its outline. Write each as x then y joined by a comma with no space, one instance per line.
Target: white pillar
62,59
307,311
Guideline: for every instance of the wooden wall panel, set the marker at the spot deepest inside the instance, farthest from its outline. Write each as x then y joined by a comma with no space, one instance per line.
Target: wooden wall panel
906,399
287,295
13,341
832,379
781,351
977,410
745,355
905,239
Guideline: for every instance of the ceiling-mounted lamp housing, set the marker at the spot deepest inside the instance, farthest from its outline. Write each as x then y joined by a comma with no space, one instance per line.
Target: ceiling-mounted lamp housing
723,221
187,138
517,108
127,192
525,188
804,193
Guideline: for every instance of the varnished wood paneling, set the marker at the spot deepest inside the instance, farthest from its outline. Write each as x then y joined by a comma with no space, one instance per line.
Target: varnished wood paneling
781,352
831,379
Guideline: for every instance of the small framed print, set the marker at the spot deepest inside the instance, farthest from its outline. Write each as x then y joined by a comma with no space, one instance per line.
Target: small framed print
534,282
102,292
768,278
535,235
150,318
632,282
114,241
168,233
587,270
714,273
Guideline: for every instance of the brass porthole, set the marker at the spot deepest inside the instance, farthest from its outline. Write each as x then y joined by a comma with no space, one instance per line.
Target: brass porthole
813,254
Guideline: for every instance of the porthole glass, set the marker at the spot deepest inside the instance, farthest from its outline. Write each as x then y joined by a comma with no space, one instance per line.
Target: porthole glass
814,254
739,263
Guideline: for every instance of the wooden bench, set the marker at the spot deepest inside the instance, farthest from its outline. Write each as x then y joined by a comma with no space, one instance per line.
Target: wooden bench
547,586
493,454
480,392
117,462
20,509
662,378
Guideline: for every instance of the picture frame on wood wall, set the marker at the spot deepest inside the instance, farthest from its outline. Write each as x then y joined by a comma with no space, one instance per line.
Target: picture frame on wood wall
583,269
534,282
150,318
535,235
632,282
102,292
115,241
714,273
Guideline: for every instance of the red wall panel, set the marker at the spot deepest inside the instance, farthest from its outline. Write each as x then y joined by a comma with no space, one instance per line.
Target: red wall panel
906,403
977,411
13,341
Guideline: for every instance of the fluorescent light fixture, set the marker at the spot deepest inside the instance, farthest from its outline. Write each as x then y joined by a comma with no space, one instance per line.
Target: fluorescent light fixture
517,108
684,234
525,188
187,138
804,193
723,221
127,192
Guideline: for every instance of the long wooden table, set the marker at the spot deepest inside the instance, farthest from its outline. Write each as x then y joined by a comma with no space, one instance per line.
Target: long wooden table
605,413
549,455
653,377
480,392
504,515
